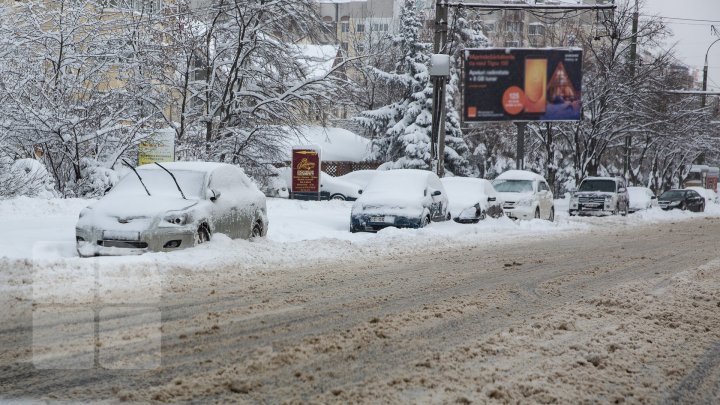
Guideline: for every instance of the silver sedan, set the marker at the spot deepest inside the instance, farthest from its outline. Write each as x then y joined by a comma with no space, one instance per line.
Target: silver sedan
172,206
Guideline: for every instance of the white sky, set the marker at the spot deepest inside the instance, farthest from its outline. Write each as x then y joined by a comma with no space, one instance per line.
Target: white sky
691,38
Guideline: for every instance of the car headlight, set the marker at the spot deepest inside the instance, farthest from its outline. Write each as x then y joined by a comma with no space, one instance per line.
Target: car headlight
675,202
525,202
84,212
608,197
176,219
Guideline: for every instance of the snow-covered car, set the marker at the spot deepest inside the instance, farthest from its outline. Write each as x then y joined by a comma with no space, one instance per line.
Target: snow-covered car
403,198
709,195
600,196
172,206
331,187
682,199
641,198
274,185
525,195
359,177
471,199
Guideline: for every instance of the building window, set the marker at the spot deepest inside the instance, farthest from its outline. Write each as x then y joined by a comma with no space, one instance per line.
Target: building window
490,26
344,27
536,29
515,27
360,28
344,46
512,44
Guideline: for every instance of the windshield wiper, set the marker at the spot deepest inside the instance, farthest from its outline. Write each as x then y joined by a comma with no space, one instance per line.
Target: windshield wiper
125,162
174,179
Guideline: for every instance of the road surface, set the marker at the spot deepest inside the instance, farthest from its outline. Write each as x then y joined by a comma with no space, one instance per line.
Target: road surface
630,314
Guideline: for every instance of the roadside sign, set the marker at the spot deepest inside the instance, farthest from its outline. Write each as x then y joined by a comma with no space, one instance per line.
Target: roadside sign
158,147
522,84
306,172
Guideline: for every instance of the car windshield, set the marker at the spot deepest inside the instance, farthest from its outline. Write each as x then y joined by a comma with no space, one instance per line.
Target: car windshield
513,186
672,195
598,185
160,183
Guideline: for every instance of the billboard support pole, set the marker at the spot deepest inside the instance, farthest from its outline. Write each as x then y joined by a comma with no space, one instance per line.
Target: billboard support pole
520,151
437,134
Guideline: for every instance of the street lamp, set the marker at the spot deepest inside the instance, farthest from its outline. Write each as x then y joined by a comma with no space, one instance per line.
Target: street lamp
705,70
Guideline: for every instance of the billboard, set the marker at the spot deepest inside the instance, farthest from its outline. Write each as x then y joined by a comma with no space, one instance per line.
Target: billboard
158,147
522,84
306,172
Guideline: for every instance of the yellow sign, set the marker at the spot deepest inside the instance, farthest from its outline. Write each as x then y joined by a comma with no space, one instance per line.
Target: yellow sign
158,147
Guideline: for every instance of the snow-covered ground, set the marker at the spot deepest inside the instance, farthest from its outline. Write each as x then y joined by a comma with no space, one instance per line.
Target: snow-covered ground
38,238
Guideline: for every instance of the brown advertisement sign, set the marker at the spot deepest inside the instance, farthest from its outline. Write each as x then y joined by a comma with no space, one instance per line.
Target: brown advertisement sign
306,170
522,84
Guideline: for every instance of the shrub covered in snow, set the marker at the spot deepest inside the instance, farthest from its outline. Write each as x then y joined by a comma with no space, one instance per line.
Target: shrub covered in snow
96,178
25,177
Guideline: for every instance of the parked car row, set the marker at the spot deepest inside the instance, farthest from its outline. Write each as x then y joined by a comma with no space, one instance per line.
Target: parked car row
413,198
170,206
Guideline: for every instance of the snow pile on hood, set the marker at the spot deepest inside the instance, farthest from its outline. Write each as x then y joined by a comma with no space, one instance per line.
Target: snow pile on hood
400,190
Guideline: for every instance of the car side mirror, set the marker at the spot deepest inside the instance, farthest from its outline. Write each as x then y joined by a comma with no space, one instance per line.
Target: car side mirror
436,193
491,199
215,195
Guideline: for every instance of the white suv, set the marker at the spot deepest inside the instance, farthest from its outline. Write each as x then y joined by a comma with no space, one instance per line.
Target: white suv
525,195
600,196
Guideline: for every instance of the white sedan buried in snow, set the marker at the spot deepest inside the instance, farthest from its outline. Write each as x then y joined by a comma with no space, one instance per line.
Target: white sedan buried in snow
471,199
172,206
641,198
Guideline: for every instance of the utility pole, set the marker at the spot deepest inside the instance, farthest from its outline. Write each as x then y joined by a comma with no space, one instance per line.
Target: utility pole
520,148
437,128
705,68
633,57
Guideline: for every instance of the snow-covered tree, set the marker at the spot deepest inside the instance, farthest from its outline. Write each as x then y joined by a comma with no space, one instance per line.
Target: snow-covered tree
402,129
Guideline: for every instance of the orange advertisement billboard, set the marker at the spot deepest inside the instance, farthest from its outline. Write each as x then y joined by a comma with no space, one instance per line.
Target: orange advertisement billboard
522,84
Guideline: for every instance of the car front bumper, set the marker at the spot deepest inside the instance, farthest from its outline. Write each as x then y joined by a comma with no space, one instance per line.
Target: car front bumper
369,223
99,242
520,212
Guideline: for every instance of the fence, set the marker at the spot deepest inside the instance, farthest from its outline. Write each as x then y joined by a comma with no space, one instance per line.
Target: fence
338,167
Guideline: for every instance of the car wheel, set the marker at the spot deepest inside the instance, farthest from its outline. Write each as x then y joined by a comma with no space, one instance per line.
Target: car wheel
616,210
482,215
257,230
551,218
339,197
683,206
448,216
625,211
572,213
424,222
702,207
537,213
202,235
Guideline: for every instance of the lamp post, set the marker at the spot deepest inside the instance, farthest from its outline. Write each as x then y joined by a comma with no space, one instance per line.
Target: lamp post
705,70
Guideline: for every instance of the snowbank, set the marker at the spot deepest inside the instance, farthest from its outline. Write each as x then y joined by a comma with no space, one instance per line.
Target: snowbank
301,233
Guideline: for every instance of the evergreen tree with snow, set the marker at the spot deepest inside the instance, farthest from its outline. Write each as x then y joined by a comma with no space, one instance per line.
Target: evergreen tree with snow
465,33
402,129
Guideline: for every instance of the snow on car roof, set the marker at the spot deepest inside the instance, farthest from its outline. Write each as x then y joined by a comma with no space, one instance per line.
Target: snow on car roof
397,181
520,175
